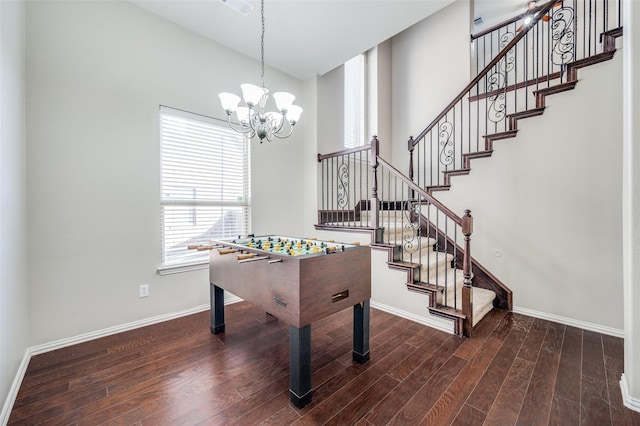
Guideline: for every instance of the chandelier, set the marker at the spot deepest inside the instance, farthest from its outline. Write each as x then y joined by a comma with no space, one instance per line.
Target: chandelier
253,118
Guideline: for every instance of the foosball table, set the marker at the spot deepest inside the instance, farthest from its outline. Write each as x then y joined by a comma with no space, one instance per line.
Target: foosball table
298,281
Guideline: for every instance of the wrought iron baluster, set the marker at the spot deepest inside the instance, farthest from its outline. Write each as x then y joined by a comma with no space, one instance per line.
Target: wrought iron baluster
430,156
369,193
445,251
455,258
324,188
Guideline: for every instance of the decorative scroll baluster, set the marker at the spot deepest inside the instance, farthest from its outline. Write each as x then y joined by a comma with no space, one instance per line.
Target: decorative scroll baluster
446,143
563,36
504,88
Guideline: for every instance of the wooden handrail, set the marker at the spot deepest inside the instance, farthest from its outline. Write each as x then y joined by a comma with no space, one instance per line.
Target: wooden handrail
543,10
450,214
344,152
505,23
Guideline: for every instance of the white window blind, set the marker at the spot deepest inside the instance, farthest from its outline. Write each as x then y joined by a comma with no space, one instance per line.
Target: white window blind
354,102
205,184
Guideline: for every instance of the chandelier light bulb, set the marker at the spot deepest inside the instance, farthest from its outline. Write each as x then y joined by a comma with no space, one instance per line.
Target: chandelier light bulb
293,114
229,102
252,94
283,100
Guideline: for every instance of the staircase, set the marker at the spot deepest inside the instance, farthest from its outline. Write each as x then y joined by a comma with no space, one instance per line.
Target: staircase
363,192
425,264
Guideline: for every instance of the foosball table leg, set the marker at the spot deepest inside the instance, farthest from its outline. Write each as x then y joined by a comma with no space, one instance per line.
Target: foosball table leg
300,365
216,296
361,332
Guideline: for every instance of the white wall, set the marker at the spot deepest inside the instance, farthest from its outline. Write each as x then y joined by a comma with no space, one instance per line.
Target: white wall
430,67
547,202
544,201
418,72
96,74
631,205
14,318
379,96
330,110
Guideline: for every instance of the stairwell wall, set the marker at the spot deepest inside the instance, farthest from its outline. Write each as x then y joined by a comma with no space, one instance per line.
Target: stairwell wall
430,65
547,207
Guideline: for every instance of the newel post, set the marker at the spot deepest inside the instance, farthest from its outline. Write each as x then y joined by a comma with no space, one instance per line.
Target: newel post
410,146
467,307
374,206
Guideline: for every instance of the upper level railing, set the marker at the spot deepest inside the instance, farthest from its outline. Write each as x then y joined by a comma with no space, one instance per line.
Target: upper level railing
361,191
521,59
581,22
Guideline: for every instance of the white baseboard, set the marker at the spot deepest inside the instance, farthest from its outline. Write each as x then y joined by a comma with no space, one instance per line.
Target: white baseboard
58,344
628,401
439,324
62,343
572,322
15,387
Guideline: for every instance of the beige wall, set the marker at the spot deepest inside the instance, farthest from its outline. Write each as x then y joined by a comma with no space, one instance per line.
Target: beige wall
547,222
412,86
96,74
430,67
631,205
14,312
547,207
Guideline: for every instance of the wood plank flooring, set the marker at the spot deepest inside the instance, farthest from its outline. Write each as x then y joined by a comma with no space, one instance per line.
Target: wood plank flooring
516,370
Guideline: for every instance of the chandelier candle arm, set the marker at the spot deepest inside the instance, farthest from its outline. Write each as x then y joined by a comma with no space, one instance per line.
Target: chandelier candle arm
253,118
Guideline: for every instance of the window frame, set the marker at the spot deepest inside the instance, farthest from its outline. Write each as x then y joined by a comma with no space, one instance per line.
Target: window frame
219,126
360,136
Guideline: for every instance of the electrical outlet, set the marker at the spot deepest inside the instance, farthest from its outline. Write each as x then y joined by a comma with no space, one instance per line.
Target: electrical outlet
144,290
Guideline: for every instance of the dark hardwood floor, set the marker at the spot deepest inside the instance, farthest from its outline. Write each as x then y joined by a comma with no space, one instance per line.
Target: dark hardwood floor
516,370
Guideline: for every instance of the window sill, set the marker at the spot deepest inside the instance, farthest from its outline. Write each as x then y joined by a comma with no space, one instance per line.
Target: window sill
182,267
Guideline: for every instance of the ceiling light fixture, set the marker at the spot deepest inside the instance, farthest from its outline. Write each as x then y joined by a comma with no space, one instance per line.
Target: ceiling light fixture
253,119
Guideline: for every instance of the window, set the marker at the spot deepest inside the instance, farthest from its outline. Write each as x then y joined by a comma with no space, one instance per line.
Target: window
354,102
205,189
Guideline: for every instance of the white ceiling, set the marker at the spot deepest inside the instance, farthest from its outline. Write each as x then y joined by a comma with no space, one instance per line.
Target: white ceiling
302,37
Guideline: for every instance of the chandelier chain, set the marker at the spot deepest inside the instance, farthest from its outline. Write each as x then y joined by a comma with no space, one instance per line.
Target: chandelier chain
262,43
254,119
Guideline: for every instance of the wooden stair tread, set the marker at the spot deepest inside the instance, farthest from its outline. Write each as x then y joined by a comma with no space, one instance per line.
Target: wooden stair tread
488,139
421,287
478,154
616,32
533,112
438,188
402,264
557,88
501,135
541,94
591,60
457,172
466,158
447,312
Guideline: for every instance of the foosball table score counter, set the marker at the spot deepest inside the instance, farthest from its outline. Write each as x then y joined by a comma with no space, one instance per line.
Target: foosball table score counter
299,281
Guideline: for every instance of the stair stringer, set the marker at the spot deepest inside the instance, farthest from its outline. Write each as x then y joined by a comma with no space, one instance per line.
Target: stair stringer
385,280
482,277
435,291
